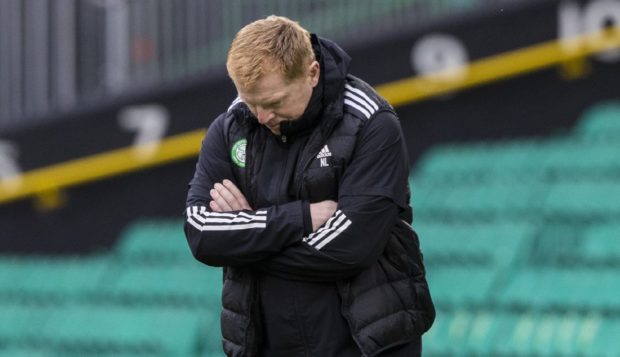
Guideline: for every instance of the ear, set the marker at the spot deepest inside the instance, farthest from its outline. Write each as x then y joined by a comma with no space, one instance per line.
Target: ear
314,72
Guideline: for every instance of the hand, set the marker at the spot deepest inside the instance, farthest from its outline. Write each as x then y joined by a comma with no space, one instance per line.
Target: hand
227,197
321,211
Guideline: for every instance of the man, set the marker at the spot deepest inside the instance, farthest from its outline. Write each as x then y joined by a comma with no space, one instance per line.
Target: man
301,193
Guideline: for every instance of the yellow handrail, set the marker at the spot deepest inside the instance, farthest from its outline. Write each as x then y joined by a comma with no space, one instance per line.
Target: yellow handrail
101,166
498,67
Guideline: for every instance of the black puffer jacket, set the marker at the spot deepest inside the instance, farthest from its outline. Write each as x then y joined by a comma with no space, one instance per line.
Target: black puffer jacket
356,285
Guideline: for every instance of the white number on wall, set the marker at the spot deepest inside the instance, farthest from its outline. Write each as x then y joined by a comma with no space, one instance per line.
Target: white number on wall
574,20
150,123
9,168
437,52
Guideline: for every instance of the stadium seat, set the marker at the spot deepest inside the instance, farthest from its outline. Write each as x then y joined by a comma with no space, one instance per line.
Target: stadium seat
450,162
113,329
472,332
605,341
518,162
564,289
576,159
461,285
47,278
493,332
154,241
494,244
486,201
19,321
24,352
436,341
177,284
602,121
590,200
602,243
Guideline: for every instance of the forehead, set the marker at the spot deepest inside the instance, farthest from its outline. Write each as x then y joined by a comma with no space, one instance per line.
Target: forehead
271,86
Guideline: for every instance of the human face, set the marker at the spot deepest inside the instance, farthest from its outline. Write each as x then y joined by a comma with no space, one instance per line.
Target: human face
274,100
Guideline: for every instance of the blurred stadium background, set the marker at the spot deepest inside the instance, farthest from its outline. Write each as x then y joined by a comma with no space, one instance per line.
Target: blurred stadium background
512,116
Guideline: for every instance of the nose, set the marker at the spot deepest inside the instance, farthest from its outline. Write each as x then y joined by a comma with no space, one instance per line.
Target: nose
263,115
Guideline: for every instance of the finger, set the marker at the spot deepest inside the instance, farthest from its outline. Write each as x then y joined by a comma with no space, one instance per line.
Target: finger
220,201
240,198
226,195
215,207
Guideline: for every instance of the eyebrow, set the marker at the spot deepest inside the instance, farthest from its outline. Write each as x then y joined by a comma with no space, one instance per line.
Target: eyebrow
270,102
275,101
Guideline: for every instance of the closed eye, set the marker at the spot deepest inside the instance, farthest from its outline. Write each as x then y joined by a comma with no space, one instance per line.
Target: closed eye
273,104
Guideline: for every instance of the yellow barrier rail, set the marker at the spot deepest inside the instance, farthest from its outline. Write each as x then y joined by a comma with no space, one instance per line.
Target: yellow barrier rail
40,182
499,67
101,166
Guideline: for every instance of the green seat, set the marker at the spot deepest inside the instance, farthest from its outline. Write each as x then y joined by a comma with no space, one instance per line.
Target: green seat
194,284
84,329
604,342
518,162
515,161
495,244
46,278
475,202
565,289
113,329
494,200
530,288
18,321
471,332
569,158
483,327
501,338
436,342
601,121
597,199
602,243
24,351
159,241
458,163
458,285
549,333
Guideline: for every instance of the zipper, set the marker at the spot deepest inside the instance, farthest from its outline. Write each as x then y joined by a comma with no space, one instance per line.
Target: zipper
304,163
283,175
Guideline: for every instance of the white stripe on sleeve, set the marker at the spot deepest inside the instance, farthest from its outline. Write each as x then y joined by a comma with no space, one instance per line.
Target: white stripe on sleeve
204,220
337,224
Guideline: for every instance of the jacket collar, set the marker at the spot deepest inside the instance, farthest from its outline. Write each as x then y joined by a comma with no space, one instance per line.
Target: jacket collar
326,102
